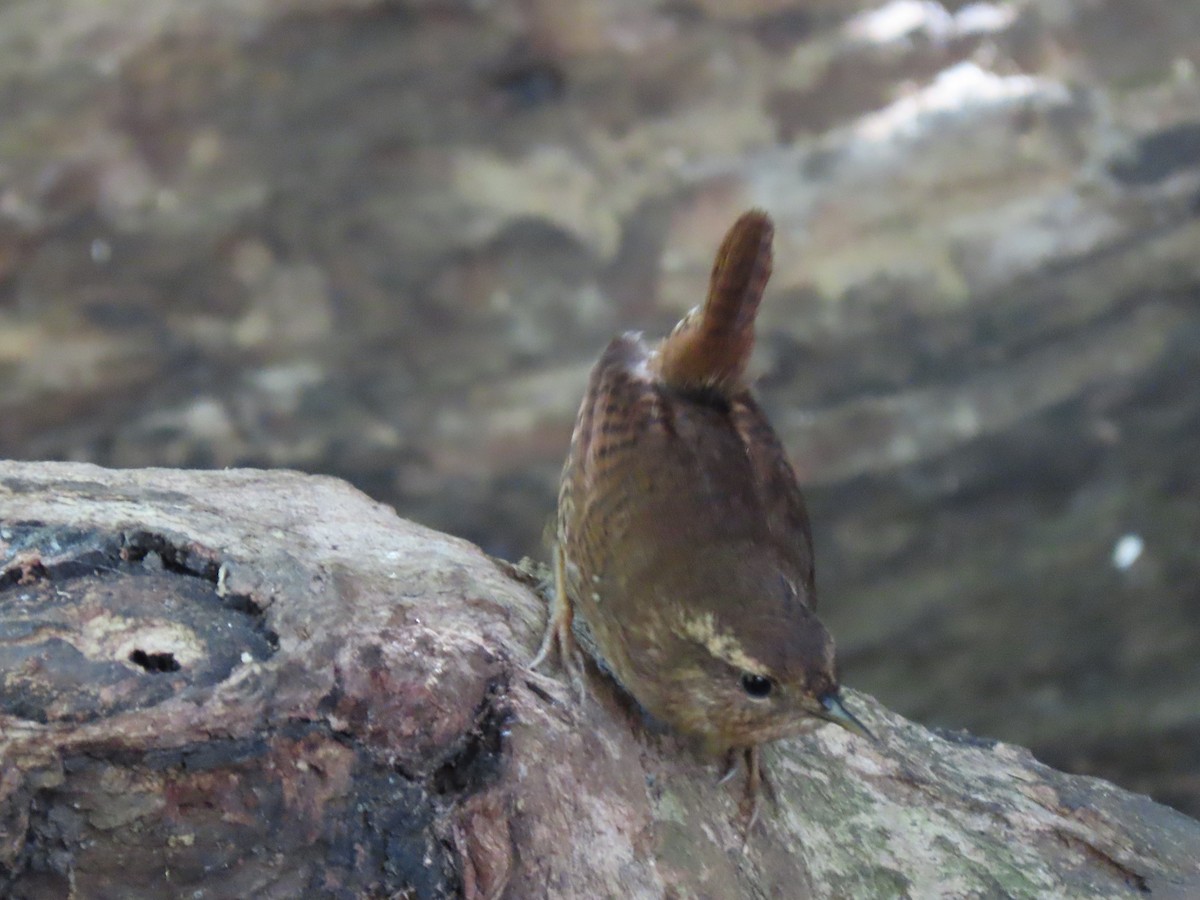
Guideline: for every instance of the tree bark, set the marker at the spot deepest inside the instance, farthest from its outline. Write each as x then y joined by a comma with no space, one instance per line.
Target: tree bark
263,684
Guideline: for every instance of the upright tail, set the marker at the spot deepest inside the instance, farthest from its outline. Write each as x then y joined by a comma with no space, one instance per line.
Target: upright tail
710,348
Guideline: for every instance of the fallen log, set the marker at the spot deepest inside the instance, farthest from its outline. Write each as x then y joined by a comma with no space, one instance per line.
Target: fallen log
264,684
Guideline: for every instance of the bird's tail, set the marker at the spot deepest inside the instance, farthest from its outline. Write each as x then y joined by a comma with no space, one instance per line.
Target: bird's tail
710,348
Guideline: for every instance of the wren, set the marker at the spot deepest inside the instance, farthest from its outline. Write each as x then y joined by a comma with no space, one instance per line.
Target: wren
682,536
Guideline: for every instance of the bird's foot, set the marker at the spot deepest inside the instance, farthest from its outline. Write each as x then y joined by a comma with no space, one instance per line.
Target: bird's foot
560,641
758,784
559,638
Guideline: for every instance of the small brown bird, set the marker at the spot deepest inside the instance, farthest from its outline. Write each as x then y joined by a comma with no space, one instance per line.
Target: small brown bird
683,541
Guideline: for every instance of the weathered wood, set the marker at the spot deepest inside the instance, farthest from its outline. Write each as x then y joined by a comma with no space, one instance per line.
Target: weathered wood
247,683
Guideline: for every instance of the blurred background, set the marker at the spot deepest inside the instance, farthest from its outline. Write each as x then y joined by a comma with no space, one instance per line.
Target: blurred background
386,240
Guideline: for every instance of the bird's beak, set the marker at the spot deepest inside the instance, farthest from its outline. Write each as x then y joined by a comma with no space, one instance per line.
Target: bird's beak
835,711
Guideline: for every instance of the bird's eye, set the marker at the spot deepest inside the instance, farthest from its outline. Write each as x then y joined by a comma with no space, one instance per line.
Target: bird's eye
757,687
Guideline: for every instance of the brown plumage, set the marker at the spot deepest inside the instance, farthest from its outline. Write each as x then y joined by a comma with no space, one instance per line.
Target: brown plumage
710,348
683,540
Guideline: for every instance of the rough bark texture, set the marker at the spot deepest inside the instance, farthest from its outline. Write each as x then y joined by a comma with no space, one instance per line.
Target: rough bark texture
263,684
